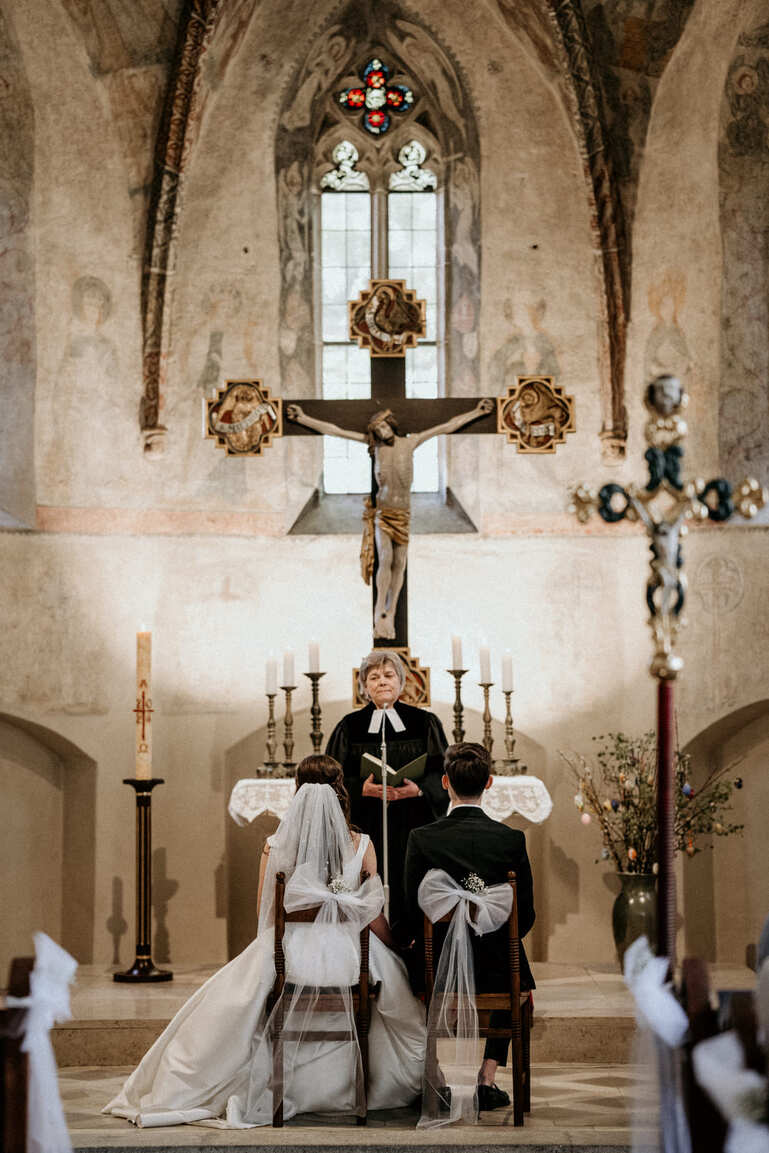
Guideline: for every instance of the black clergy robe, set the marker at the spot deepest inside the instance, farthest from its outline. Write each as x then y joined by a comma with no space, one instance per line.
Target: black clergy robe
423,733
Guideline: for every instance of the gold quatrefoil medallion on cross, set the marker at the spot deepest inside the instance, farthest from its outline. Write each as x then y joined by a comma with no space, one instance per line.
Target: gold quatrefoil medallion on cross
242,417
536,414
387,318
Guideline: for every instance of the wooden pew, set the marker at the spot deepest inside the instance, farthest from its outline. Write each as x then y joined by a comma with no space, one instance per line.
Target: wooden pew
13,1063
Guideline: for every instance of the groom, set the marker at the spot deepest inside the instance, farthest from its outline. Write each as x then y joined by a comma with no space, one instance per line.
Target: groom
463,842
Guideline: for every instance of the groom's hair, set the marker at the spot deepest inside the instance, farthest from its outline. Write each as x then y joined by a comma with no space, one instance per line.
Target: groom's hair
468,767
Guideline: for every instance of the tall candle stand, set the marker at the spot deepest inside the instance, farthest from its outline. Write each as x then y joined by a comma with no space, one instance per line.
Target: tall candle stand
487,737
458,732
288,730
316,736
271,744
511,765
143,968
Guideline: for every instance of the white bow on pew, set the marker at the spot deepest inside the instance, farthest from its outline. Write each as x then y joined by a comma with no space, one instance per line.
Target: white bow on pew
48,1002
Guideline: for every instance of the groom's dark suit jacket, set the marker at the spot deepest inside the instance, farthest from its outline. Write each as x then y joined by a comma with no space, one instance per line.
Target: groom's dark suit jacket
469,841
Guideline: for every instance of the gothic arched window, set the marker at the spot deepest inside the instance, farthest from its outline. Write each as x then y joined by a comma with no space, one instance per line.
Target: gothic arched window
377,163
378,217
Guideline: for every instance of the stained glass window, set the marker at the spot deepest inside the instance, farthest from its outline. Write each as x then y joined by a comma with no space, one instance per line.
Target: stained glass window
376,97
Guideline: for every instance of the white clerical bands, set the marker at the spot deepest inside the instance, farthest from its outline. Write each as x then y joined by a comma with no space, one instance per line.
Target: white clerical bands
378,716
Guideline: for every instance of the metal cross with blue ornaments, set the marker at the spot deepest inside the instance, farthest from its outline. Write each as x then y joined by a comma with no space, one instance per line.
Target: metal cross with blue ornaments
664,506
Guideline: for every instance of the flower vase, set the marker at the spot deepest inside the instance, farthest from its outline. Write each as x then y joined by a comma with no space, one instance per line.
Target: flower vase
634,913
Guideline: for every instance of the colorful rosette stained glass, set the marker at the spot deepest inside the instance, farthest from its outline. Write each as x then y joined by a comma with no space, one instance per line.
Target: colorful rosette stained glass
376,97
376,122
353,98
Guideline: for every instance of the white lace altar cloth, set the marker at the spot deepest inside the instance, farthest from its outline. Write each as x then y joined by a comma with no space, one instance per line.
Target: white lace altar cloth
523,794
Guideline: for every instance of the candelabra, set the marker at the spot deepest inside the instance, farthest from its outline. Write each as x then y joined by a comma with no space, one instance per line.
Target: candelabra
272,740
487,738
316,736
458,731
288,730
510,764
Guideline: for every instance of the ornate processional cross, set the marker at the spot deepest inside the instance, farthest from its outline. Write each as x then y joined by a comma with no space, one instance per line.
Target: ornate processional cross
663,506
243,418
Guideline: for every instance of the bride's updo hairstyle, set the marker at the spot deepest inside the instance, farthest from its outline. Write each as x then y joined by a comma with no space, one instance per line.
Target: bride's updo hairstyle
319,769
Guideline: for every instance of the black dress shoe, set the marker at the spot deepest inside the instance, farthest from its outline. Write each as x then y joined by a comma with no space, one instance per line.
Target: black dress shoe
444,1098
491,1097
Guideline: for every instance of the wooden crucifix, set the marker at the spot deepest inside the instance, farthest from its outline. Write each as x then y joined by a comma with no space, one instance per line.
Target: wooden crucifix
393,427
387,319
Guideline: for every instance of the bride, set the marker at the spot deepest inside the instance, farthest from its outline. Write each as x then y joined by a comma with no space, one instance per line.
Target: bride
212,1064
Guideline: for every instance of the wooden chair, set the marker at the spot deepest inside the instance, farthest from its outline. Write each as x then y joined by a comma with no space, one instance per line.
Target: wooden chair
14,1071
512,998
362,995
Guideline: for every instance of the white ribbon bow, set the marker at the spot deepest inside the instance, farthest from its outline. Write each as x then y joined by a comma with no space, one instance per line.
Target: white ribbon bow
359,906
740,1094
452,1010
439,893
48,1001
662,1025
378,716
656,1006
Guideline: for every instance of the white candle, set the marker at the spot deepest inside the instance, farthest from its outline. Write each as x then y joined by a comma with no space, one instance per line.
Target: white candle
271,677
456,652
485,665
288,668
507,672
143,710
314,657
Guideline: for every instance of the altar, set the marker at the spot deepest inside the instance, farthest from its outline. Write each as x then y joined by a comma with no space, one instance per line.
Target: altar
524,794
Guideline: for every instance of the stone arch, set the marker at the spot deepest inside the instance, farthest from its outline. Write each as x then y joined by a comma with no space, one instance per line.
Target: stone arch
726,890
448,116
49,792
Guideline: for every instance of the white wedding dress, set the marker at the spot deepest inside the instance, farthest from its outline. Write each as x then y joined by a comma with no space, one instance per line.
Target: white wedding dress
212,1064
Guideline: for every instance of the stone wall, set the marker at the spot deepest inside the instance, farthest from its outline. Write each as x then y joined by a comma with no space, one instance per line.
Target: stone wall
194,544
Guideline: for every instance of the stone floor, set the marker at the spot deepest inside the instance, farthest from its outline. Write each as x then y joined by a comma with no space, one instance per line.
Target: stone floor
574,1106
582,1080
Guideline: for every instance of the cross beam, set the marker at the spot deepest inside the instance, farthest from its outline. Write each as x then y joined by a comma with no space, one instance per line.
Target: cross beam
412,415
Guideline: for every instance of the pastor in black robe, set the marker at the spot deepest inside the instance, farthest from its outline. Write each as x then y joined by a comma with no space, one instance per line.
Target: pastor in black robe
423,733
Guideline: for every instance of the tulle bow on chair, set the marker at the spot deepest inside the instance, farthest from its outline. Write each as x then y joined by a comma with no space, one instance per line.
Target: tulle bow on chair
48,1002
315,1000
452,1011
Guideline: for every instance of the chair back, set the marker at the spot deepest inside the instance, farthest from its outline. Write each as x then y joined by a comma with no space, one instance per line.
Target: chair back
513,947
308,916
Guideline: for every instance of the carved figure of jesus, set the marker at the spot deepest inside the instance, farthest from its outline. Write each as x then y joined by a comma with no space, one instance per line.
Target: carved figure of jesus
386,523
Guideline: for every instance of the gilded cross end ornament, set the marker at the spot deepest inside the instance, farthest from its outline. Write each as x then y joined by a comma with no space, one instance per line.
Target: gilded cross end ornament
387,318
535,414
242,417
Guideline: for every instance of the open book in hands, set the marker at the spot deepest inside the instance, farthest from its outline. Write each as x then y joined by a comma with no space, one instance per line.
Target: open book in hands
413,771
